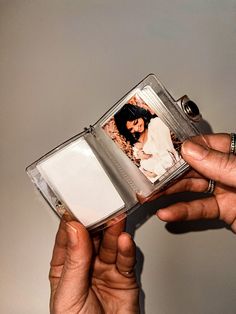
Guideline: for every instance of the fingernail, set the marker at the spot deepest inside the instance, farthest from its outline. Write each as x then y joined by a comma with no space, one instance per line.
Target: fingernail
162,213
72,234
194,150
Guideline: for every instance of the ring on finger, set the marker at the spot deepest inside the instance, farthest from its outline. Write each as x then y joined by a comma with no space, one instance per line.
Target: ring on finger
211,186
233,143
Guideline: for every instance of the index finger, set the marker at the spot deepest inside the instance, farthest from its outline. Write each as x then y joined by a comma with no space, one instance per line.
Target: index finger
109,243
197,209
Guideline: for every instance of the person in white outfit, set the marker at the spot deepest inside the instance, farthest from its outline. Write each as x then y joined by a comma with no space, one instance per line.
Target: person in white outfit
148,133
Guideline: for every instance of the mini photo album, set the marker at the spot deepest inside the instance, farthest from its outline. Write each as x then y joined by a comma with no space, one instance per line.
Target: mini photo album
132,152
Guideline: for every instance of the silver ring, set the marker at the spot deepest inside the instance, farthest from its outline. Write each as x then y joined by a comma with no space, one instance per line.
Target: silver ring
233,143
211,186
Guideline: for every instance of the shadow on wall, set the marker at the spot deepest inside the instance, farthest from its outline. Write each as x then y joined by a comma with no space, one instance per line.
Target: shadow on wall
136,219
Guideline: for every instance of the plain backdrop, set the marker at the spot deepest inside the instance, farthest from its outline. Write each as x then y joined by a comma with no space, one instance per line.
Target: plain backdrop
63,63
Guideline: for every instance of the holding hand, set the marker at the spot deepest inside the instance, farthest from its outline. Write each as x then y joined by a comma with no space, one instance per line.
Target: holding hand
93,276
215,163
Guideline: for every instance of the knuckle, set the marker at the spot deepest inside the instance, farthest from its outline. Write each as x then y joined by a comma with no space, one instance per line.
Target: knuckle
184,212
189,184
73,263
207,211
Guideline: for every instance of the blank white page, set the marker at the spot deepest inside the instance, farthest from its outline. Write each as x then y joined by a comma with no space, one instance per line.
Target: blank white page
77,177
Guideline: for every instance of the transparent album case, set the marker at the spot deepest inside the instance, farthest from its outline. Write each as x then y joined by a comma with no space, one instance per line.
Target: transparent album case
130,153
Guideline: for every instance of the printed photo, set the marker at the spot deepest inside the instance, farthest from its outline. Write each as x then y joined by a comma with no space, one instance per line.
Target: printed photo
144,138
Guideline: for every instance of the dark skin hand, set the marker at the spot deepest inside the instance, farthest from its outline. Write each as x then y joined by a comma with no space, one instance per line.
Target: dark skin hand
93,275
209,160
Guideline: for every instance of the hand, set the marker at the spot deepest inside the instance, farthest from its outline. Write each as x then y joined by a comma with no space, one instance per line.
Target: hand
208,163
93,276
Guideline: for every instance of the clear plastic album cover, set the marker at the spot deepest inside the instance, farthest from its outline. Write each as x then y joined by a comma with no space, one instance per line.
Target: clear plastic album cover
133,150
80,182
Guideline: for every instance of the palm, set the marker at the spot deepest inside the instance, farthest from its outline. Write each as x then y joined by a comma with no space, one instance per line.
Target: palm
109,286
110,291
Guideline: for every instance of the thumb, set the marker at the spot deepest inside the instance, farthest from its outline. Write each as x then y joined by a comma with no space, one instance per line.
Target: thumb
74,282
212,164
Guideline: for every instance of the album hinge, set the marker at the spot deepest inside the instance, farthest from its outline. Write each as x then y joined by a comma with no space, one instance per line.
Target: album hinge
90,129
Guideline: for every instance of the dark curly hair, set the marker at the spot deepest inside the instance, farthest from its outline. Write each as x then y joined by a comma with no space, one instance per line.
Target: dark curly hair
131,112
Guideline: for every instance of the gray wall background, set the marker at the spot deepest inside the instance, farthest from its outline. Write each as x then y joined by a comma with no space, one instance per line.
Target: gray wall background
62,64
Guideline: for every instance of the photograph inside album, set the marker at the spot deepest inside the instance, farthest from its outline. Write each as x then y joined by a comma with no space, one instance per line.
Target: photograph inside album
134,149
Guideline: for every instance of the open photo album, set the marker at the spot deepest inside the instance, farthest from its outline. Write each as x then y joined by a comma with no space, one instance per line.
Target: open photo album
132,152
